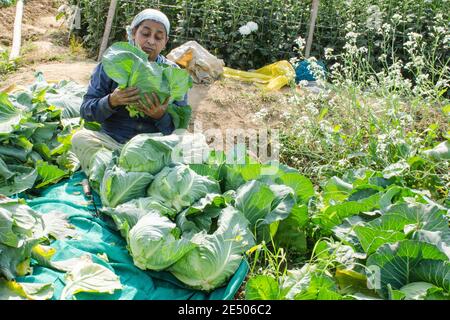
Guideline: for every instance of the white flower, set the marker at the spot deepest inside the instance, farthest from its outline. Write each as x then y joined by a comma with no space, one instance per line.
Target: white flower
329,53
303,83
286,115
439,30
304,120
311,108
382,57
337,65
248,28
300,42
362,49
418,61
375,18
351,35
373,8
351,49
396,17
386,27
260,115
414,36
294,61
253,26
245,30
350,26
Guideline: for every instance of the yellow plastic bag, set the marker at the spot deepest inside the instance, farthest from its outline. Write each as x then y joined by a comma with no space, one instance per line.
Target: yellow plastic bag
271,77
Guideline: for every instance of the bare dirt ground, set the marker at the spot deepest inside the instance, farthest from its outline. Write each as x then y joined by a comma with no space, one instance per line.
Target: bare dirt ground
34,10
223,105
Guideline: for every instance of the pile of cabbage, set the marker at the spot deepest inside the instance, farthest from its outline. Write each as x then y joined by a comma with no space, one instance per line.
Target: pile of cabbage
36,128
183,209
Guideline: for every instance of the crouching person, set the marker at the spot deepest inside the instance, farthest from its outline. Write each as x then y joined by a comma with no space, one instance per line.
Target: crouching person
105,103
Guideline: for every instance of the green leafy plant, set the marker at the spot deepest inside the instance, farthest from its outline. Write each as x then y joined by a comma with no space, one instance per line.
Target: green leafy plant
129,67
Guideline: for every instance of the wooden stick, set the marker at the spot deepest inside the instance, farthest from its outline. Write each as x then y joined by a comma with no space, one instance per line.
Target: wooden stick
312,24
108,26
17,35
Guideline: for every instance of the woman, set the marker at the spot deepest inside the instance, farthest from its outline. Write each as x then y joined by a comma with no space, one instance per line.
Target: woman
105,103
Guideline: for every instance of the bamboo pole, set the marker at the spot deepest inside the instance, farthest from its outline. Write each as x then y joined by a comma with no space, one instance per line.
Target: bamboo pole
108,26
312,24
17,33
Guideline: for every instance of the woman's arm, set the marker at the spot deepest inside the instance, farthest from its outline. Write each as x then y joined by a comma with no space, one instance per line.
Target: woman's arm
95,106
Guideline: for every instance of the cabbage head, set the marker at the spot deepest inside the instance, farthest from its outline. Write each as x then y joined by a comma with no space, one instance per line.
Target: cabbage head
155,242
129,213
218,255
119,186
179,186
148,152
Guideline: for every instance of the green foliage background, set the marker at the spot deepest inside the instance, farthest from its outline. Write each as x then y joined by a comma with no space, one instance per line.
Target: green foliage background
215,24
7,3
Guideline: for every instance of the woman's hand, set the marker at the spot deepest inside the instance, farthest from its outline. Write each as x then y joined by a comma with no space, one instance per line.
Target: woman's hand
154,108
124,97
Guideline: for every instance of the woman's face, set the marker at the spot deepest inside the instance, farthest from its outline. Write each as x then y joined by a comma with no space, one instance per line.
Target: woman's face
151,37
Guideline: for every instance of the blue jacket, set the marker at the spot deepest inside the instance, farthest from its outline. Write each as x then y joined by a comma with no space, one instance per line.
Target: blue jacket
116,122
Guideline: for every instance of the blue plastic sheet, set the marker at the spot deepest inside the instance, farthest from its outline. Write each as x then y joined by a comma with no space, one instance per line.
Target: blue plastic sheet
97,236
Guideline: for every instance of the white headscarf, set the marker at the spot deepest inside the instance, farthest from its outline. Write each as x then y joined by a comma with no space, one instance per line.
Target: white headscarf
148,14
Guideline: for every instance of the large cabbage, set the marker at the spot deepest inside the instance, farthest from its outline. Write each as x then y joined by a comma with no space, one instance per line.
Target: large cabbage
152,152
218,255
129,213
202,214
119,186
263,204
179,187
148,152
155,242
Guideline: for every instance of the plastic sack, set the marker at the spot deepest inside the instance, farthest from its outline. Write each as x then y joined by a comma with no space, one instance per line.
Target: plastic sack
271,77
201,65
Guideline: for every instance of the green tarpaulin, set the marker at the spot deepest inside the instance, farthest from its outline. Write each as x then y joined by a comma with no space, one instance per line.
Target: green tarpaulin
97,236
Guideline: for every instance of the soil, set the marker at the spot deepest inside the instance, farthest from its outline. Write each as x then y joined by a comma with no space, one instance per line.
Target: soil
34,12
